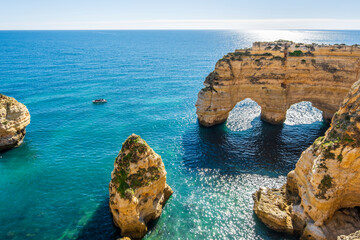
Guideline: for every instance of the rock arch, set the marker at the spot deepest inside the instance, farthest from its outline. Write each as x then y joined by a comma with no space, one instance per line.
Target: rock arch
277,75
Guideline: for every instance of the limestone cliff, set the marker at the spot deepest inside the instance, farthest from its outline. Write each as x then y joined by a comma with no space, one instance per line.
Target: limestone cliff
321,199
138,188
277,75
14,117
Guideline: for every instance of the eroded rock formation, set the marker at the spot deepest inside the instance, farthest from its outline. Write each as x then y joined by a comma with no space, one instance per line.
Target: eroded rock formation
277,75
321,199
14,117
138,188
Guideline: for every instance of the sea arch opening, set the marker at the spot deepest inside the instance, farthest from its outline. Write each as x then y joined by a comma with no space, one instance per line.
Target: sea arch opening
243,114
303,113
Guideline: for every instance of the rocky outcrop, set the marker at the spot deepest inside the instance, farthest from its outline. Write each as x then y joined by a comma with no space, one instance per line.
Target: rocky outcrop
321,199
138,188
277,75
274,209
14,117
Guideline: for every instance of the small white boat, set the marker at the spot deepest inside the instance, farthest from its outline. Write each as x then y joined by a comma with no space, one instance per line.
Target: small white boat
101,100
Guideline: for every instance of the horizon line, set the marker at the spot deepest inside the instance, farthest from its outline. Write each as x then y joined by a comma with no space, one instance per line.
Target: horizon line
194,24
181,29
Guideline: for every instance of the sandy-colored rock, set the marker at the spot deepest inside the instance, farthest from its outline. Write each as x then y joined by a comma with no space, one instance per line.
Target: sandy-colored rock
273,209
328,172
353,236
325,182
277,75
138,188
14,117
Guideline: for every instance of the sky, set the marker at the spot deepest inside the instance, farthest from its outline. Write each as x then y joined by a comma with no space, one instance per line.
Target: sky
179,14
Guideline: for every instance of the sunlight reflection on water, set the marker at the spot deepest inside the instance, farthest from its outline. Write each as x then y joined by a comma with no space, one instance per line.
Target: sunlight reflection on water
151,80
242,115
303,113
246,111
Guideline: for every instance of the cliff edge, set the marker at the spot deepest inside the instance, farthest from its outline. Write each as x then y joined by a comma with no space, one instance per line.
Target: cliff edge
14,117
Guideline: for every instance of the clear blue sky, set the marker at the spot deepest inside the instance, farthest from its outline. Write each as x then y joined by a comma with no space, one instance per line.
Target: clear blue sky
144,14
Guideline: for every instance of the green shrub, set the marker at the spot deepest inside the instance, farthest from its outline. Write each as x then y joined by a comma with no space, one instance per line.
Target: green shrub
278,58
329,155
324,185
297,53
326,182
121,177
263,54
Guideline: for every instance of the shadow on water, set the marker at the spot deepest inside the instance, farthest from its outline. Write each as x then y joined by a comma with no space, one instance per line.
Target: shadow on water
264,149
14,157
100,226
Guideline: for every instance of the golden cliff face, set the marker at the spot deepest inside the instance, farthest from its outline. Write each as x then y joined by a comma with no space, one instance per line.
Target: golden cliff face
138,188
328,172
277,75
14,117
322,196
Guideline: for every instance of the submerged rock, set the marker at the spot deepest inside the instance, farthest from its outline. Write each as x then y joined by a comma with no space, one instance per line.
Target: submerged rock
138,188
14,117
321,198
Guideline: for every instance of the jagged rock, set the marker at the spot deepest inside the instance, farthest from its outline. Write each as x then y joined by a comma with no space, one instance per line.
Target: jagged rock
323,192
277,75
138,188
14,117
273,209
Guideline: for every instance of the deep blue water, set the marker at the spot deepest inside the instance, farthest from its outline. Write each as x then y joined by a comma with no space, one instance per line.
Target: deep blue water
55,185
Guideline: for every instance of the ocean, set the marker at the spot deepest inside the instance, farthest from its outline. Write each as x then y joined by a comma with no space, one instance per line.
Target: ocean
55,185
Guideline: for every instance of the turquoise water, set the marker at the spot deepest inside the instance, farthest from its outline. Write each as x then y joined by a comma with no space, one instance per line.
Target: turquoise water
55,185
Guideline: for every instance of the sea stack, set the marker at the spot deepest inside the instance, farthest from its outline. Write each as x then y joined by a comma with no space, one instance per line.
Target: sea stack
321,199
14,117
277,75
138,188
